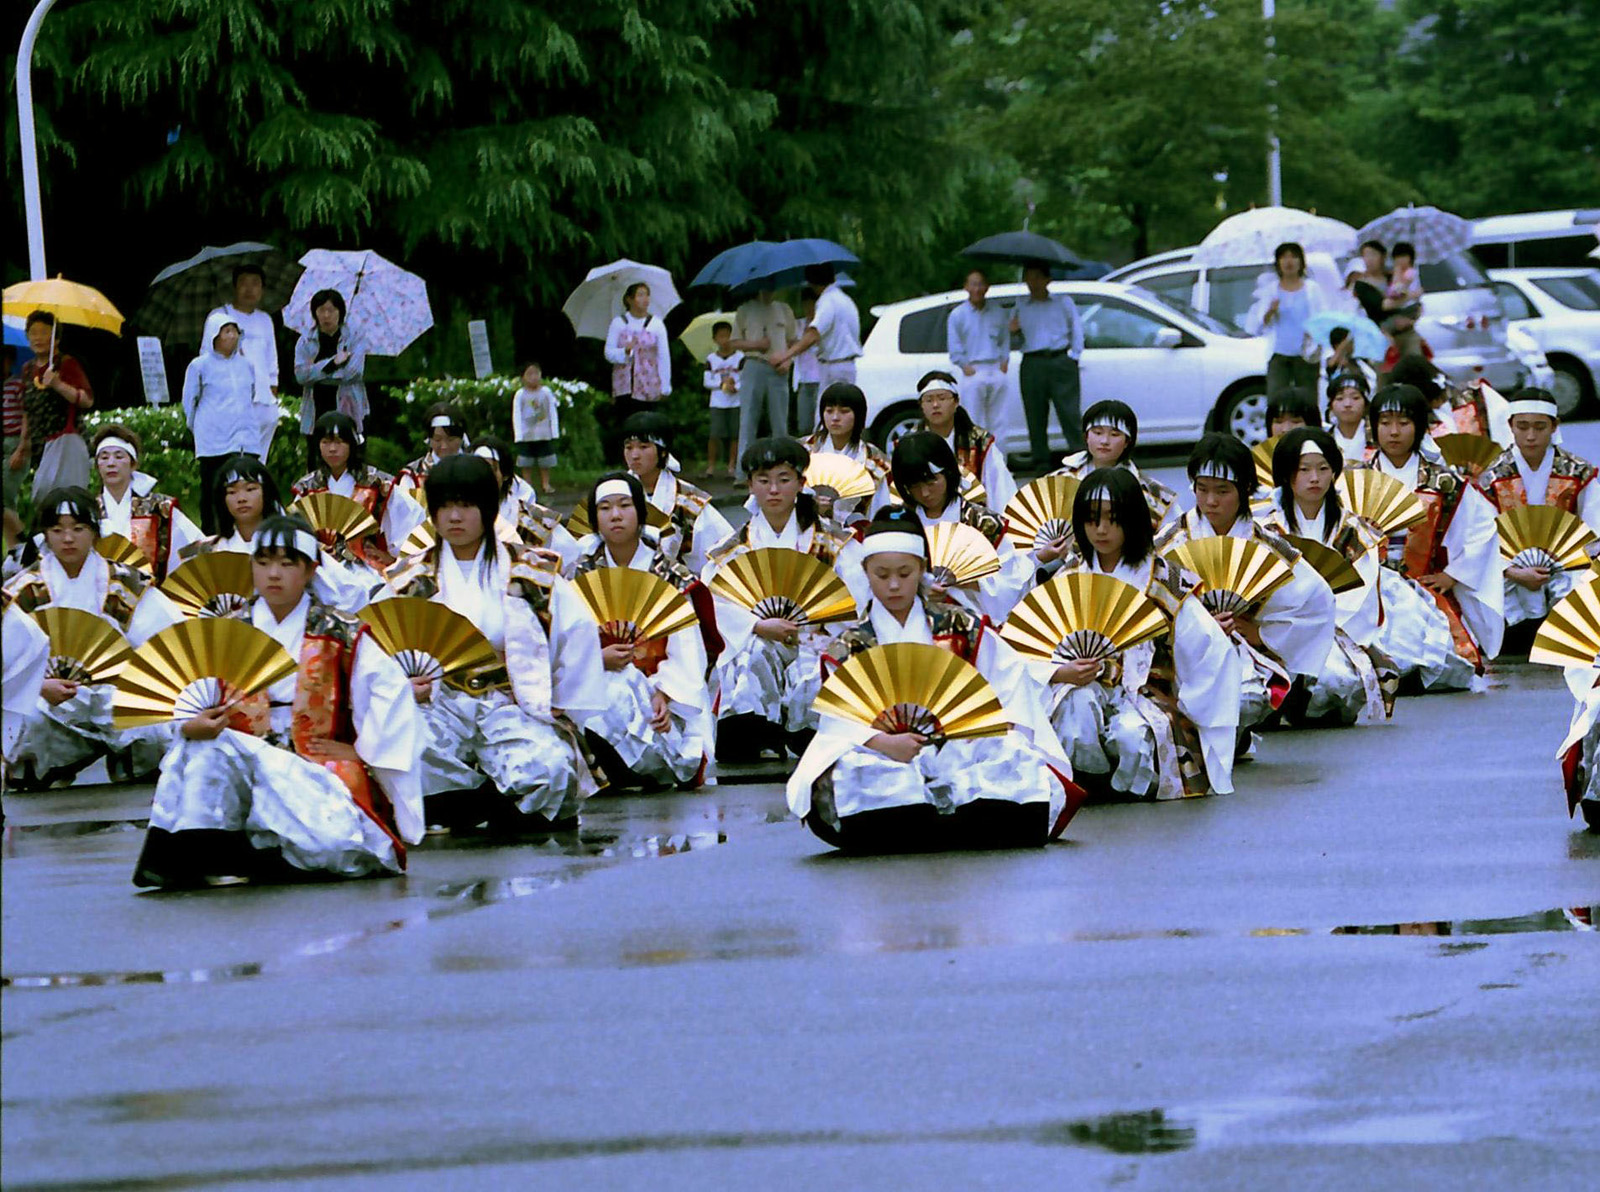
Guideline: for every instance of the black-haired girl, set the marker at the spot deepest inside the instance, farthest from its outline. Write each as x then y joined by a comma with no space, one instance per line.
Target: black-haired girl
447,436
867,791
975,449
657,727
1160,719
501,744
316,774
130,504
537,525
770,671
1358,684
342,469
697,525
1347,416
841,430
1110,433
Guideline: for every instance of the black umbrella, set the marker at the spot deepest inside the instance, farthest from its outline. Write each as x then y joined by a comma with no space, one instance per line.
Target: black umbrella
1022,248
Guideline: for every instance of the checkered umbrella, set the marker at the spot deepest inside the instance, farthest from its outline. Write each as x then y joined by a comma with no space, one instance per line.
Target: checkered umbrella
385,305
182,295
1436,234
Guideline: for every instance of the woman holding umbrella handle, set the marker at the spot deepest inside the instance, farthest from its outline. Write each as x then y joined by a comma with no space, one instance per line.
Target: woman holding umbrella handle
636,347
1284,300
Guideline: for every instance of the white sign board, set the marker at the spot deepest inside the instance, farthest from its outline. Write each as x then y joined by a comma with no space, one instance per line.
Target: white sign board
478,333
153,368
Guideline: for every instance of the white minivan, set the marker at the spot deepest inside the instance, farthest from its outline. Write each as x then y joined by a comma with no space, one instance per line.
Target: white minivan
1538,239
1182,372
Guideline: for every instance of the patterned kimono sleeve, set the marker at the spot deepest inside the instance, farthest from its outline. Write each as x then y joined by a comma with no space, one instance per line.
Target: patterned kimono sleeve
184,532
710,528
1297,621
389,732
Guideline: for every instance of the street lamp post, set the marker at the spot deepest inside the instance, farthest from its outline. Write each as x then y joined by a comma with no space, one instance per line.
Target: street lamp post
28,144
1274,162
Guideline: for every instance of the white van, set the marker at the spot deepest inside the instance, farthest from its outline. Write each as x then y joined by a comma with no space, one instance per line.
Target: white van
1538,239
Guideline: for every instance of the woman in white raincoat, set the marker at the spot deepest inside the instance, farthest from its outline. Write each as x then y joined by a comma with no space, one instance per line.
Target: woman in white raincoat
501,743
315,775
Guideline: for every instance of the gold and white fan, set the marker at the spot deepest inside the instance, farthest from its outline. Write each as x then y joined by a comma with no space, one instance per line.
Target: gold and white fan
1329,564
1382,500
1543,536
1235,573
1471,453
427,639
329,513
1041,512
1570,635
633,606
194,665
777,582
83,647
840,474
119,550
959,556
212,585
1082,616
1262,454
910,687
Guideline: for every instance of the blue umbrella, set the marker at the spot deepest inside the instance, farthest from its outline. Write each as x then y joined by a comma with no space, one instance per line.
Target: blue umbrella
763,265
730,266
1371,343
16,337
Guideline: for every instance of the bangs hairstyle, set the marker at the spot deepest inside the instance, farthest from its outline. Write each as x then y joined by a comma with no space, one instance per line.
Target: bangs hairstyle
963,420
465,479
276,535
1116,491
844,396
921,456
1217,452
244,467
765,454
1403,399
635,490
1117,414
504,457
1291,249
334,425
81,508
1293,402
1339,382
1286,464
647,426
322,297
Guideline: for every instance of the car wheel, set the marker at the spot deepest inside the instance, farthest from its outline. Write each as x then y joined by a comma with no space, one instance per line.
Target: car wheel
1243,414
1569,386
894,422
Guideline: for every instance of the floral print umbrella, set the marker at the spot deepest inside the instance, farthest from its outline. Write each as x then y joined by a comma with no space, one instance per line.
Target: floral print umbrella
385,305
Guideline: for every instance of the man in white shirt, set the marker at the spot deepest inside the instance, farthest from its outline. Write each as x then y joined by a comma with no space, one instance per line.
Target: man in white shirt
1052,342
762,326
258,341
979,338
835,330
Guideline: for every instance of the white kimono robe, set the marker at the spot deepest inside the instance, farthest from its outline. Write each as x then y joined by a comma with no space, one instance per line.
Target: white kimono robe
281,800
1015,767
116,517
24,655
677,755
1114,730
710,527
996,479
995,595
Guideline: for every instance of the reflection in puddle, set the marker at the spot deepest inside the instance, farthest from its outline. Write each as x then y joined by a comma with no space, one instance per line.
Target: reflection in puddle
1149,1132
1574,918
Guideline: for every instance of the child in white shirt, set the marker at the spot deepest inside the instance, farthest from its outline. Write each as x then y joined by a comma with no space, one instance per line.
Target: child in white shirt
535,426
722,385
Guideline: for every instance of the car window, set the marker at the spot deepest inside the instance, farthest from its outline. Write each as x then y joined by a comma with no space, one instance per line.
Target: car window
1513,303
1112,323
1232,290
1178,285
1580,293
922,332
1215,326
1458,271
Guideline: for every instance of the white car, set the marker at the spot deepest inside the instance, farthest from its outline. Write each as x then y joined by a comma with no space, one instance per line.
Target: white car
1560,309
1183,372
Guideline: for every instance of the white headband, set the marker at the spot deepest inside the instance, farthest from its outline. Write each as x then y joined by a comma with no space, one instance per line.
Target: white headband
298,541
937,386
1531,405
1309,447
612,488
1115,424
442,420
68,509
487,453
119,444
896,542
1215,469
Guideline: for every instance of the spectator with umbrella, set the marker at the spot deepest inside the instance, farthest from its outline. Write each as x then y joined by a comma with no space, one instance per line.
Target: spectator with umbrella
1285,301
330,363
762,325
55,394
835,330
1052,344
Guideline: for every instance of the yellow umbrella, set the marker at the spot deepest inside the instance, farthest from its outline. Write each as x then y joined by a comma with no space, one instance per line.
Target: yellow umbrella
82,306
697,335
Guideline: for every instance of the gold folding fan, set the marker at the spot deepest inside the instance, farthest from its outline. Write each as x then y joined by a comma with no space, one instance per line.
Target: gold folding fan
1382,500
1262,453
119,550
83,647
777,582
1329,564
846,478
959,556
211,585
1543,536
972,490
1041,512
1235,572
1473,453
1082,615
1570,635
633,606
909,687
427,639
578,520
195,665
329,513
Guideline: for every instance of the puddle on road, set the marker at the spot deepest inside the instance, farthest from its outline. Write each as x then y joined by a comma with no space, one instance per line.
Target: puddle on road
1575,918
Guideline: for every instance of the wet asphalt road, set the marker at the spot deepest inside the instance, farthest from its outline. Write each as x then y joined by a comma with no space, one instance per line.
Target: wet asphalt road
1369,968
